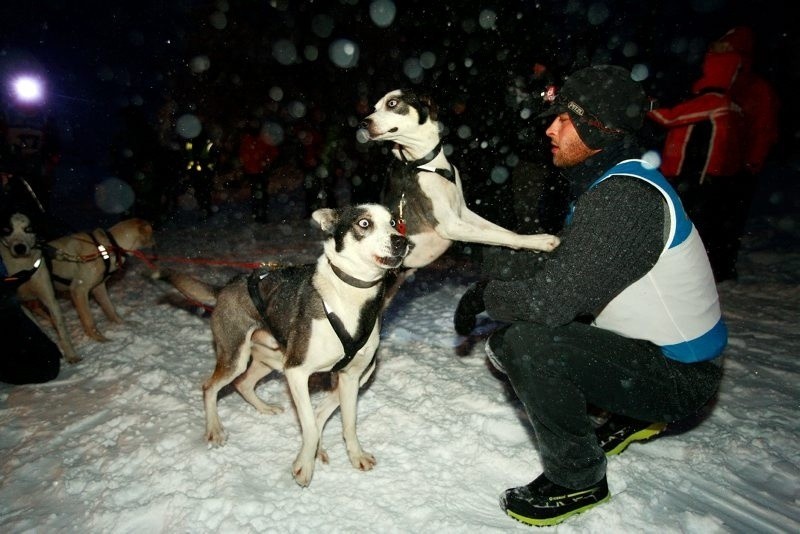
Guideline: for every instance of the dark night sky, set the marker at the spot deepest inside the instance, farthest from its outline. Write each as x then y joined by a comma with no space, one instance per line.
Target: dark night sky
100,55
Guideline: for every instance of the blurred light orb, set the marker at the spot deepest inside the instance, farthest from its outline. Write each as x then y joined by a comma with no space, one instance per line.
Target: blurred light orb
273,132
218,20
640,72
343,53
412,69
499,174
630,49
200,64
297,109
284,51
652,159
113,195
276,93
487,19
427,60
382,13
322,26
188,126
362,135
464,132
597,13
28,89
311,53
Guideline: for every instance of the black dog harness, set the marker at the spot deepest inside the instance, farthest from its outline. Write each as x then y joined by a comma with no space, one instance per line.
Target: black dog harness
367,321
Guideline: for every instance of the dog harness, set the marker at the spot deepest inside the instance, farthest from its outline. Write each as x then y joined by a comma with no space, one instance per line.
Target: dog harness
410,170
366,322
119,257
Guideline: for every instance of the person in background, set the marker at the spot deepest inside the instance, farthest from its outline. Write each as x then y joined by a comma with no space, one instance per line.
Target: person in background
623,316
760,106
703,157
257,155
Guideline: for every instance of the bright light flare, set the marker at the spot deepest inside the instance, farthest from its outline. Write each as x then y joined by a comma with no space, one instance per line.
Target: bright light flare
28,89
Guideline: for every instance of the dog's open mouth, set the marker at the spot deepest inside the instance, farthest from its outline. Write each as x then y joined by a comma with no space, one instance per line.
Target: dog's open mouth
391,262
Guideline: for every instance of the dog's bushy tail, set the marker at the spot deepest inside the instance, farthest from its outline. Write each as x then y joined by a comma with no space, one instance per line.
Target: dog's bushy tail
190,287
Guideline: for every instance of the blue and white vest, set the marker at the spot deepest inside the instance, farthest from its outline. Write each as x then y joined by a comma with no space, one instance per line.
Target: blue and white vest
675,305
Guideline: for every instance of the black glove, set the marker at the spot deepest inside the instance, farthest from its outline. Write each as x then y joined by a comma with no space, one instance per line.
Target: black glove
470,305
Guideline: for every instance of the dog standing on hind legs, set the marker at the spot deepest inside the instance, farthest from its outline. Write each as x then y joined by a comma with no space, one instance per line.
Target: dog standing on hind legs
427,195
301,320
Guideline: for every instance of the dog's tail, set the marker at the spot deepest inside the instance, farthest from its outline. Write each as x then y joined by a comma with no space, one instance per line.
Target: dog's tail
191,287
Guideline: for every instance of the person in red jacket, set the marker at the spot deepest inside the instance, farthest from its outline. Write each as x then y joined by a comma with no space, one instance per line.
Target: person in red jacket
760,105
256,154
703,158
758,100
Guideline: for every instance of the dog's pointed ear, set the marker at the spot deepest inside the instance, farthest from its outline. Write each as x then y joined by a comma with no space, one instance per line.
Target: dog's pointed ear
429,106
326,219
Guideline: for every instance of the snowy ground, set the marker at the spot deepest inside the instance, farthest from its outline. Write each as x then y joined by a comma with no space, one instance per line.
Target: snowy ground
115,444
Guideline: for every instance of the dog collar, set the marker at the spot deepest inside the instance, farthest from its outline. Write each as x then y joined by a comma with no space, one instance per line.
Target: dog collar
352,280
422,163
427,158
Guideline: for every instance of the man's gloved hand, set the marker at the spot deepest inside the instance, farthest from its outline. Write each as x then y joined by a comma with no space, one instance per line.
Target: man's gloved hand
470,305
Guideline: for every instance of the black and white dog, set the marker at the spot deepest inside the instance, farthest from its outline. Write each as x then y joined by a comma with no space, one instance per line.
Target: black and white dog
323,317
427,197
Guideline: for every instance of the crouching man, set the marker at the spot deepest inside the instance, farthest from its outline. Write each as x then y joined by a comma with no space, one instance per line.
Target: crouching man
623,316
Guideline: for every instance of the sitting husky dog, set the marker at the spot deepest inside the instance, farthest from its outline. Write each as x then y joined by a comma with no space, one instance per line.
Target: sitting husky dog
323,317
427,197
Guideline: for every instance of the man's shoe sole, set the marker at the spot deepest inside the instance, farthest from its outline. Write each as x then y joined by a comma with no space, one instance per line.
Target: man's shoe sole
550,521
642,435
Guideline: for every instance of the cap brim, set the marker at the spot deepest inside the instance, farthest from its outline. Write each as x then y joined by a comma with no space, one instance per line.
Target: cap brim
553,109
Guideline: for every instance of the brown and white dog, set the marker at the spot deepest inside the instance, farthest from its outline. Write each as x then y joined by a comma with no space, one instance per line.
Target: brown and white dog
428,198
20,252
301,320
82,262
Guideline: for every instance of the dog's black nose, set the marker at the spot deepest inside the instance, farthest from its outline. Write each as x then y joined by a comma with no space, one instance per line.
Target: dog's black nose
364,123
20,249
399,245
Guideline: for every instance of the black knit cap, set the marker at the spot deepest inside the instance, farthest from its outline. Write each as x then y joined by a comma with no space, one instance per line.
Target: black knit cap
604,103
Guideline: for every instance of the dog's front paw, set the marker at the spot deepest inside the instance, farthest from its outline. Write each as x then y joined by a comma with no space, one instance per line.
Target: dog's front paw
362,460
303,471
215,436
98,336
546,242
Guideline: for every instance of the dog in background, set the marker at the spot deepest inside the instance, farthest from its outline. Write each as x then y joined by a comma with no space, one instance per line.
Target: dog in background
301,320
81,263
18,247
427,196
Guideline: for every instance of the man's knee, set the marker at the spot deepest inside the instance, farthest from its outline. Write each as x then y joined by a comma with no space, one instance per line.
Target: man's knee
517,347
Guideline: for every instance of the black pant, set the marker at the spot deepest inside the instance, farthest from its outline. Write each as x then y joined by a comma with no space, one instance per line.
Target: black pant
28,356
558,372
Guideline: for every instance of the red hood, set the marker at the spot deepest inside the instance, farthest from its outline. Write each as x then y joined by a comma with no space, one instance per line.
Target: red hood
719,71
739,40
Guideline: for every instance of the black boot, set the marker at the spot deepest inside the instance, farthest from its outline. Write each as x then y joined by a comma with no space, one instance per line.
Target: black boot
543,503
618,432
